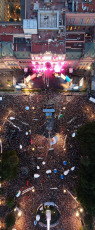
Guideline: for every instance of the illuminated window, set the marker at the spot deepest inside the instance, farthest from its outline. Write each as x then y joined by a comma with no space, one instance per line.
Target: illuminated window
71,28
87,20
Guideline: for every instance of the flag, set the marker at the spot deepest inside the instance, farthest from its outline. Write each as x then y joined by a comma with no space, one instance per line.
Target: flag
31,141
54,140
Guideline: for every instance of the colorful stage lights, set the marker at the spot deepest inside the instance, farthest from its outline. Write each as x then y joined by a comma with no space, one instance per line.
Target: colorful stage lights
57,68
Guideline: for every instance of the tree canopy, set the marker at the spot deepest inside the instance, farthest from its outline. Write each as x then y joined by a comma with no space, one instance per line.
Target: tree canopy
10,163
10,220
86,188
10,202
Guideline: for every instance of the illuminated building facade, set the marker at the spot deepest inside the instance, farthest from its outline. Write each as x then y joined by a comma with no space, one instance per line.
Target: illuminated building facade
49,32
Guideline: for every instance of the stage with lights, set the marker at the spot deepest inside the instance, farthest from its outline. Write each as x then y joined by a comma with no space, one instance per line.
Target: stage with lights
47,75
50,72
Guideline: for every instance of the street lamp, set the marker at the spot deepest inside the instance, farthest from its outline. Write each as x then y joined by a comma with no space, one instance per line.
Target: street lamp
77,213
64,191
19,213
81,210
33,149
33,190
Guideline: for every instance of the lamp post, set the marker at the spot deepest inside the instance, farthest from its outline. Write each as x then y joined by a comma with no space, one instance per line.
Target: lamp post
78,212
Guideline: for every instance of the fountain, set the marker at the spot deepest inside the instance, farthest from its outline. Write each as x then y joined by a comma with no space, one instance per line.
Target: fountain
49,215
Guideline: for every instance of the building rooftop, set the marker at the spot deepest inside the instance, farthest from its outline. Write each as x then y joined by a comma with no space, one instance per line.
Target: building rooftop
34,6
22,55
7,49
11,29
48,19
71,36
54,47
73,54
88,6
6,38
89,50
30,24
75,18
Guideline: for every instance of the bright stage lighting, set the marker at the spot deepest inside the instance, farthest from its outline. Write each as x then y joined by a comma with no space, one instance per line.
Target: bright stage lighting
47,58
44,69
57,68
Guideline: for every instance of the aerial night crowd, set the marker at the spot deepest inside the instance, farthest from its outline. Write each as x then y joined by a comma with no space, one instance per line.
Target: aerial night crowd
23,129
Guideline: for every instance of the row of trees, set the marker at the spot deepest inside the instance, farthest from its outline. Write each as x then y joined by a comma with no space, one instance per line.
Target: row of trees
9,165
10,220
8,170
86,188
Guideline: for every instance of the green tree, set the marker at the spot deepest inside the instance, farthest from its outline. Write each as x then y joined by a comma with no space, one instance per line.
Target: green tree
88,221
86,187
10,220
86,137
10,163
10,202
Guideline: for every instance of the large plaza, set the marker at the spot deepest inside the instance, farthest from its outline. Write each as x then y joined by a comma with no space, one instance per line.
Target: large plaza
22,123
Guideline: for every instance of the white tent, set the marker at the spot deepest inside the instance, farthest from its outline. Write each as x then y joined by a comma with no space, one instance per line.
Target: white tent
38,167
92,99
66,172
37,217
20,146
73,168
43,163
73,134
48,171
36,175
12,118
26,133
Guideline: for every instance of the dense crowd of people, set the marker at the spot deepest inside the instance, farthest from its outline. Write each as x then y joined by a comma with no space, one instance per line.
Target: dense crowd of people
23,130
